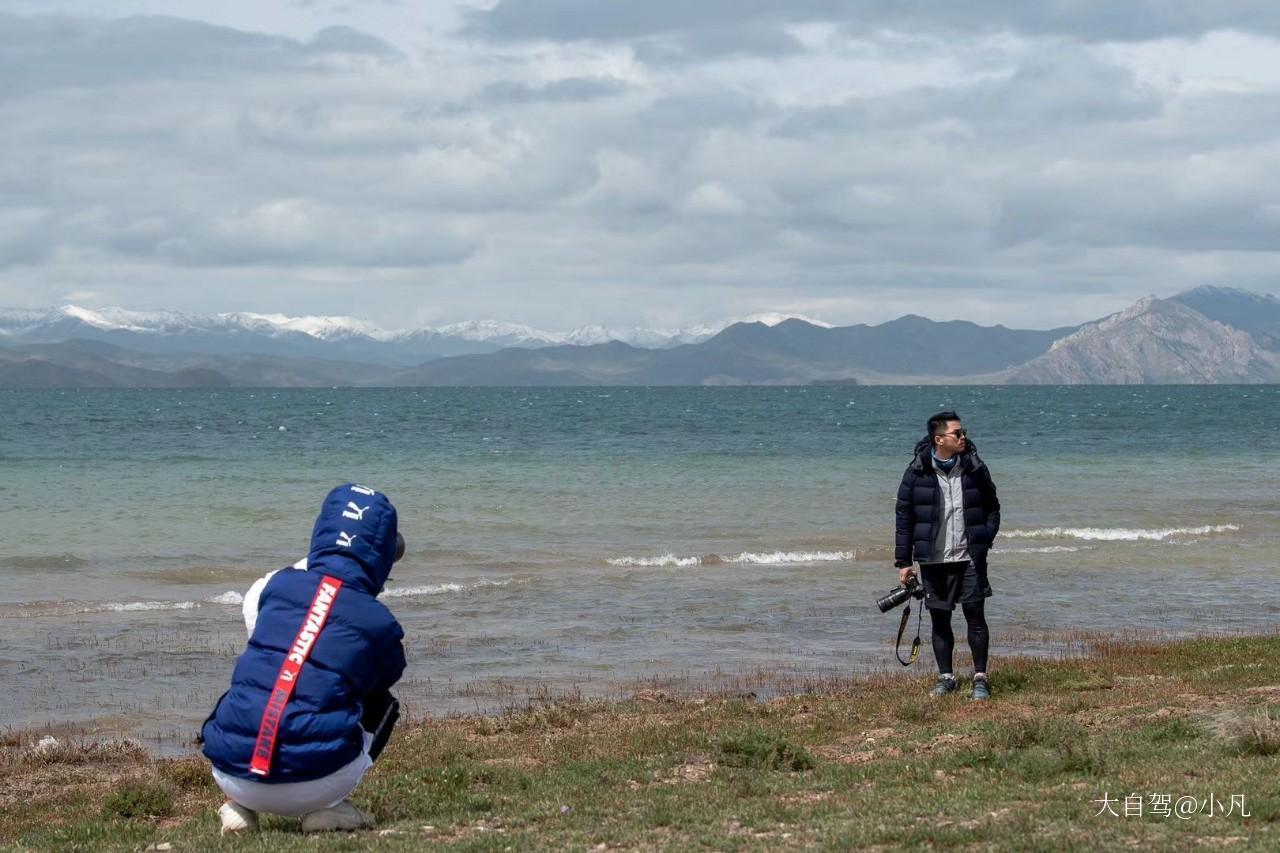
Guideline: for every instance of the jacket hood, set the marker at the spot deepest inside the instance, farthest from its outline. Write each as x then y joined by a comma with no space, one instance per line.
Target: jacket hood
354,538
924,454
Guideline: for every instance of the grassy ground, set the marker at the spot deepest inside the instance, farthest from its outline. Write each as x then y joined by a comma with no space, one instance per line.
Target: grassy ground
868,764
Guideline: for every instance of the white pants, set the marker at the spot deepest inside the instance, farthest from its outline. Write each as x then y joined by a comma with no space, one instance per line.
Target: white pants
295,799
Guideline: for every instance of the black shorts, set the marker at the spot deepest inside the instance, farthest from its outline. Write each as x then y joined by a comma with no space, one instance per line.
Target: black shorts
948,584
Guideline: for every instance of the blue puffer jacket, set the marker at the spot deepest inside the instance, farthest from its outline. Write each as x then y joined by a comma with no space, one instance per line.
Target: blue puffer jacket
357,655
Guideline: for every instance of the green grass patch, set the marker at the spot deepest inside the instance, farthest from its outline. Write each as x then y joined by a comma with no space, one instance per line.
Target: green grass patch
763,750
139,799
1039,731
1084,682
1175,730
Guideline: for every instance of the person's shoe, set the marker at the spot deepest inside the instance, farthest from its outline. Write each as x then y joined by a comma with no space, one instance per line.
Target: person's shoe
342,817
237,819
981,690
945,685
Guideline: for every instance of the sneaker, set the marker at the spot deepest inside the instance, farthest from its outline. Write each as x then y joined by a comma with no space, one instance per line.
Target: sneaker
237,819
344,817
981,690
946,684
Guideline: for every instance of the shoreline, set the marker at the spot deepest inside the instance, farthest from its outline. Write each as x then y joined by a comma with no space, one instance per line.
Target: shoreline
867,761
167,737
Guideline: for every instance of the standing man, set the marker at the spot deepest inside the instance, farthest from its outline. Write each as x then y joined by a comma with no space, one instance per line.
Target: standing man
947,517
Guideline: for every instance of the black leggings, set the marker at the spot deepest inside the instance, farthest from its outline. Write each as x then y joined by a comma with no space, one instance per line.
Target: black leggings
944,640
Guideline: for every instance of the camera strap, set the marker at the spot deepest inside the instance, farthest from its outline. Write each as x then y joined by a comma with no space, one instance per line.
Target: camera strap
915,644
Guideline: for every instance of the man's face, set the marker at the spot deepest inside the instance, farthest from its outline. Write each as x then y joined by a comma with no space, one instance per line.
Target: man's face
951,439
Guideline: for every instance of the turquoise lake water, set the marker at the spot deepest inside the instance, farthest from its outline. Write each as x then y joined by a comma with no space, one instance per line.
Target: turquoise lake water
591,540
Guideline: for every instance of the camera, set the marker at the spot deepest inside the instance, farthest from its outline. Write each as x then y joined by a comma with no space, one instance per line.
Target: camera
896,597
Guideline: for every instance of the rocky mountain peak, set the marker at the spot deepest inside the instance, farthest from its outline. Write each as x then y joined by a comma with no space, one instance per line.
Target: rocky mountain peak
1153,341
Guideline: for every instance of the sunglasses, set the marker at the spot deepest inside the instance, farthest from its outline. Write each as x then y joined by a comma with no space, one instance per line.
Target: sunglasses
957,434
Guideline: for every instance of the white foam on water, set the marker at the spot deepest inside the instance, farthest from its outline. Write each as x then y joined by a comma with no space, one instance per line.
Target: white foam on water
231,598
1049,549
430,589
665,561
1117,534
135,606
767,558
438,589
784,558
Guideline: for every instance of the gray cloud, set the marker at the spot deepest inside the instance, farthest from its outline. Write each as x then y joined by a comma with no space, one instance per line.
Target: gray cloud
193,154
282,232
572,89
622,178
48,52
1061,86
728,39
352,42
1090,20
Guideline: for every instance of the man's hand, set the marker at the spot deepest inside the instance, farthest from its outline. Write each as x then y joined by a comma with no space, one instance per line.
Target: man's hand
904,573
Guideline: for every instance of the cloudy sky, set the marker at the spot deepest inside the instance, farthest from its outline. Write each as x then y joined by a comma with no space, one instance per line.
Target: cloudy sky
656,163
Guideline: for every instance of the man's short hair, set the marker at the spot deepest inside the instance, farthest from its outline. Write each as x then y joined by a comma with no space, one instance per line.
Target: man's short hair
938,422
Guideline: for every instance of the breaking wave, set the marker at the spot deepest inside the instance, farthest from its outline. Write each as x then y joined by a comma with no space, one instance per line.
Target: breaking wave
783,558
58,609
136,606
1117,534
665,561
768,558
229,598
438,588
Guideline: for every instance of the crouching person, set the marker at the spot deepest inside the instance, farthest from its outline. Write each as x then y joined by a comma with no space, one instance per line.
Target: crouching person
310,707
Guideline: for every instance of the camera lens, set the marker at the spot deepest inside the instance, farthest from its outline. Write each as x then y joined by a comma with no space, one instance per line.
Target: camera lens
893,599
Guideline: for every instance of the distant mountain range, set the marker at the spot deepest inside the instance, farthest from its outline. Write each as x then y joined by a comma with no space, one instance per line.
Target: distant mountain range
1206,335
791,352
317,337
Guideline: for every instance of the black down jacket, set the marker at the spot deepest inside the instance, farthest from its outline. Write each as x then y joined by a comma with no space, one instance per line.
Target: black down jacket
919,507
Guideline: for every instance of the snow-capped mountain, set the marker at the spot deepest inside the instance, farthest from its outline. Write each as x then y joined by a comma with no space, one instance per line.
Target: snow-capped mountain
166,332
178,323
332,337
324,328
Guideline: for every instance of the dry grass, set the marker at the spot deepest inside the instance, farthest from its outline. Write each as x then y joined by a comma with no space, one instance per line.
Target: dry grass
846,762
